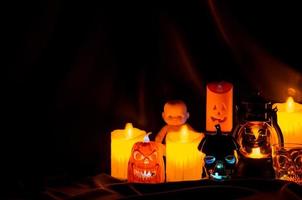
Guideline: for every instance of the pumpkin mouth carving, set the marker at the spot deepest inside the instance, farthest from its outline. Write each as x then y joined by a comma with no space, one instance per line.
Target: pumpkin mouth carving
145,173
220,120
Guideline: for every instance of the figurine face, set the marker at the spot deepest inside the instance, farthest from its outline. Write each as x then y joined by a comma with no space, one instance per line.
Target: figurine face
175,114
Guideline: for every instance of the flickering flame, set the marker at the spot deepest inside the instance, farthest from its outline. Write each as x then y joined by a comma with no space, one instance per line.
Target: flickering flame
184,134
290,104
146,138
129,130
256,153
255,131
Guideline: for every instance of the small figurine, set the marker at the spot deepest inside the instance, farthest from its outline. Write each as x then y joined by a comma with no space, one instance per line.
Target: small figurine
220,155
175,115
146,164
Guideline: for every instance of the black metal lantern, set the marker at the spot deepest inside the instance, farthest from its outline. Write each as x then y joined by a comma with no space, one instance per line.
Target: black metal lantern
256,131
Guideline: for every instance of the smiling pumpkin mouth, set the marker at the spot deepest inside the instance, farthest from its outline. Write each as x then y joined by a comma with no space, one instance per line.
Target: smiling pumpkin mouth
214,119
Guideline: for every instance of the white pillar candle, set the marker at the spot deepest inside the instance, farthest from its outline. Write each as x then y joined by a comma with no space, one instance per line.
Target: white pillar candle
183,160
122,141
289,117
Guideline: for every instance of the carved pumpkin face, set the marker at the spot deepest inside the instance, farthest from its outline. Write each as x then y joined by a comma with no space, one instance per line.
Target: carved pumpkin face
219,106
255,139
219,112
146,164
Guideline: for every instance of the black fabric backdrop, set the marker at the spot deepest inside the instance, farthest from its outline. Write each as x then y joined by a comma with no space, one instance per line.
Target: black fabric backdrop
74,72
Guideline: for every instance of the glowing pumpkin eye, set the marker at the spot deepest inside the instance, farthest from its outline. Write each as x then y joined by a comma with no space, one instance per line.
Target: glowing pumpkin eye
209,160
138,155
215,108
230,159
153,156
262,132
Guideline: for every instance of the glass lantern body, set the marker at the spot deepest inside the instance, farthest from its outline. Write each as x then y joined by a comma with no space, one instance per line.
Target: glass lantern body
255,139
257,129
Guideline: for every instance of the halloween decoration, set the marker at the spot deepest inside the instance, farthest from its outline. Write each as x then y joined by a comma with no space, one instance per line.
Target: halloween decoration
146,164
219,103
287,162
256,131
220,155
175,115
290,120
257,128
183,160
122,141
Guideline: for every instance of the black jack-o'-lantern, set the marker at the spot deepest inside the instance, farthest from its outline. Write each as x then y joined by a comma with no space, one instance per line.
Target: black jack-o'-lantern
220,155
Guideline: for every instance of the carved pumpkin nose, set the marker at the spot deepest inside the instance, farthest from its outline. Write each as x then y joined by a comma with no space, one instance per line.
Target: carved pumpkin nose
146,161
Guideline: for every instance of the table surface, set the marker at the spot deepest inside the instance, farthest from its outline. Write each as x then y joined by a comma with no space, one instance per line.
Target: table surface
104,186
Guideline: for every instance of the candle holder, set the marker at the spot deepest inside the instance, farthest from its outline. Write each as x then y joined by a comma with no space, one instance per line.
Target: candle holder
257,130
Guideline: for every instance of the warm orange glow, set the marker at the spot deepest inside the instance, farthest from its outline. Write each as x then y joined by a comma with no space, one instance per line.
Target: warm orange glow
184,136
289,116
183,160
129,130
290,104
255,130
146,163
122,141
219,106
256,153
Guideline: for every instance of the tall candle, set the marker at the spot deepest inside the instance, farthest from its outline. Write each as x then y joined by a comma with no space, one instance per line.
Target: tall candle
219,103
289,117
183,160
122,141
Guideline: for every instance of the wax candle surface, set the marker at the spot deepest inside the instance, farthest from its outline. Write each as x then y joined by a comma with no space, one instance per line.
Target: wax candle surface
122,141
183,160
289,117
219,104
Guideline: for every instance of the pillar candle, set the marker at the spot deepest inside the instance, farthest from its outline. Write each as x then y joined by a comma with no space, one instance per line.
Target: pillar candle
122,141
219,106
183,160
289,117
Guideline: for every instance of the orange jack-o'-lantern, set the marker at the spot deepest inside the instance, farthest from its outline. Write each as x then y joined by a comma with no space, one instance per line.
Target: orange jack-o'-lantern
219,106
146,164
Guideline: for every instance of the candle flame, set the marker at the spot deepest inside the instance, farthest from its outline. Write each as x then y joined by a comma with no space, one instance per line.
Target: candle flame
129,130
255,130
256,153
146,138
184,133
290,104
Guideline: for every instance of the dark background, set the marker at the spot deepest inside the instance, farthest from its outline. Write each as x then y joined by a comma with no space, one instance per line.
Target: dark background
74,72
